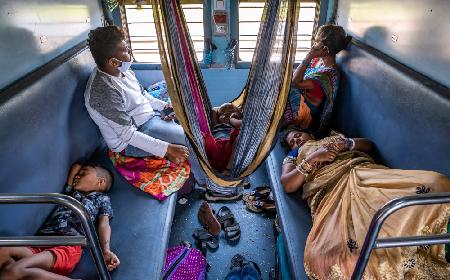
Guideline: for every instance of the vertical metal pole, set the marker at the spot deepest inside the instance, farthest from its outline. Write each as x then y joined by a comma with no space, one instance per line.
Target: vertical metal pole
367,248
91,235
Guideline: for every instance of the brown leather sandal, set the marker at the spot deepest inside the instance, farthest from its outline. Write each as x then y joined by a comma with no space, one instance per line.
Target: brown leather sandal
259,193
260,206
208,219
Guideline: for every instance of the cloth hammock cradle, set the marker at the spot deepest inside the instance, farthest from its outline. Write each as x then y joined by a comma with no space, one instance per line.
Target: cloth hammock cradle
263,98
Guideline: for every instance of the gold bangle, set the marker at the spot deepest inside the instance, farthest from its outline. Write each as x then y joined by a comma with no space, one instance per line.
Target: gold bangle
333,146
306,166
301,170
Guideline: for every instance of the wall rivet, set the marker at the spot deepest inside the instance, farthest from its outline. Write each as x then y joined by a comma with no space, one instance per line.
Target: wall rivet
394,38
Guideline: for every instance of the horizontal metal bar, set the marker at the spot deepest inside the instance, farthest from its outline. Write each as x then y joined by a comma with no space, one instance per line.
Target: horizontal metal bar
298,49
255,35
41,241
258,21
149,8
412,241
148,22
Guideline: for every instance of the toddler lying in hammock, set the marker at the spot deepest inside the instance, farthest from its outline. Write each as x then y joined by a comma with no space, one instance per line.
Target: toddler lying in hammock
220,146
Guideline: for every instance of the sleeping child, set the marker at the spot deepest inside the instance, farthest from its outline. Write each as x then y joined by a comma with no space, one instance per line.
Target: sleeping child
220,146
88,184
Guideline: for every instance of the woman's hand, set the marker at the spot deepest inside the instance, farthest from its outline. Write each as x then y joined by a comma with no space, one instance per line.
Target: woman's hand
317,50
177,153
323,154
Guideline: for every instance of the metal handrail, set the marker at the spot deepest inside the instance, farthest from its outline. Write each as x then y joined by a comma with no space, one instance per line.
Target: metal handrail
371,242
77,208
40,241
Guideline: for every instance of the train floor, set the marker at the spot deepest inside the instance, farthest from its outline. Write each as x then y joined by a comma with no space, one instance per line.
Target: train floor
257,242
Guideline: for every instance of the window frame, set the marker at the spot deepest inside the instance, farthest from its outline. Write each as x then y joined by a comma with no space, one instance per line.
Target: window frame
153,65
322,17
234,34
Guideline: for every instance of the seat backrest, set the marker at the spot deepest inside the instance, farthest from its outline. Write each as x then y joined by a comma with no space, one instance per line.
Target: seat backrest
44,128
405,114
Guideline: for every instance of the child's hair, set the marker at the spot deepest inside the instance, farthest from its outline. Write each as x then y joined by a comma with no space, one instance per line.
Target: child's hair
103,42
229,106
104,172
235,108
334,37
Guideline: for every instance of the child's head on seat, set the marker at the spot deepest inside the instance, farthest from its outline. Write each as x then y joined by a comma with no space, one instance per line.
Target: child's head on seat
92,178
226,111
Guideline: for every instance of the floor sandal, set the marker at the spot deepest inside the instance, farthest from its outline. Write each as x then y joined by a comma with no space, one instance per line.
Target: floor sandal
245,183
276,224
229,224
240,261
259,206
258,194
215,196
205,239
255,266
237,260
208,220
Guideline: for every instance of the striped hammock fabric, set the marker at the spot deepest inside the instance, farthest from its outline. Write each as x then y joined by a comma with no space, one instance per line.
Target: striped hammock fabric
263,98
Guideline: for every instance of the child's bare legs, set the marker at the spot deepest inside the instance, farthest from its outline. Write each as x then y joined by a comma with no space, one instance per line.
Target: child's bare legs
9,255
21,263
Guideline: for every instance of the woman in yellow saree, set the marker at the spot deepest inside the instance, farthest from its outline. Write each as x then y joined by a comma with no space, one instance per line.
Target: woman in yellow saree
344,188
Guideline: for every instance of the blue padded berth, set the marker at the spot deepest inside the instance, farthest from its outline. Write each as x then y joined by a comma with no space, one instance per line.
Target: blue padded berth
140,230
404,113
293,213
44,128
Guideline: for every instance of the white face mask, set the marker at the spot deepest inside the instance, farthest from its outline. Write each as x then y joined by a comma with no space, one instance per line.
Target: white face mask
125,65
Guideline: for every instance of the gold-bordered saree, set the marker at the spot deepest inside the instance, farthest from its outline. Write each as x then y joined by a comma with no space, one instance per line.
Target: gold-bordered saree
344,196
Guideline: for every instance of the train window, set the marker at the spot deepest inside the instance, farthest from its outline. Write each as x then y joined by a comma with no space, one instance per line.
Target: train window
249,19
142,30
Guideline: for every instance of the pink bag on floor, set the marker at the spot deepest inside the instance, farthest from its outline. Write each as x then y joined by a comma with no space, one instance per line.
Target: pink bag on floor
184,263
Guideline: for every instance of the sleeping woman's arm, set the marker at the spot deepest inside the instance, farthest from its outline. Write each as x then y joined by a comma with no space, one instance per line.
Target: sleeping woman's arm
363,145
291,178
